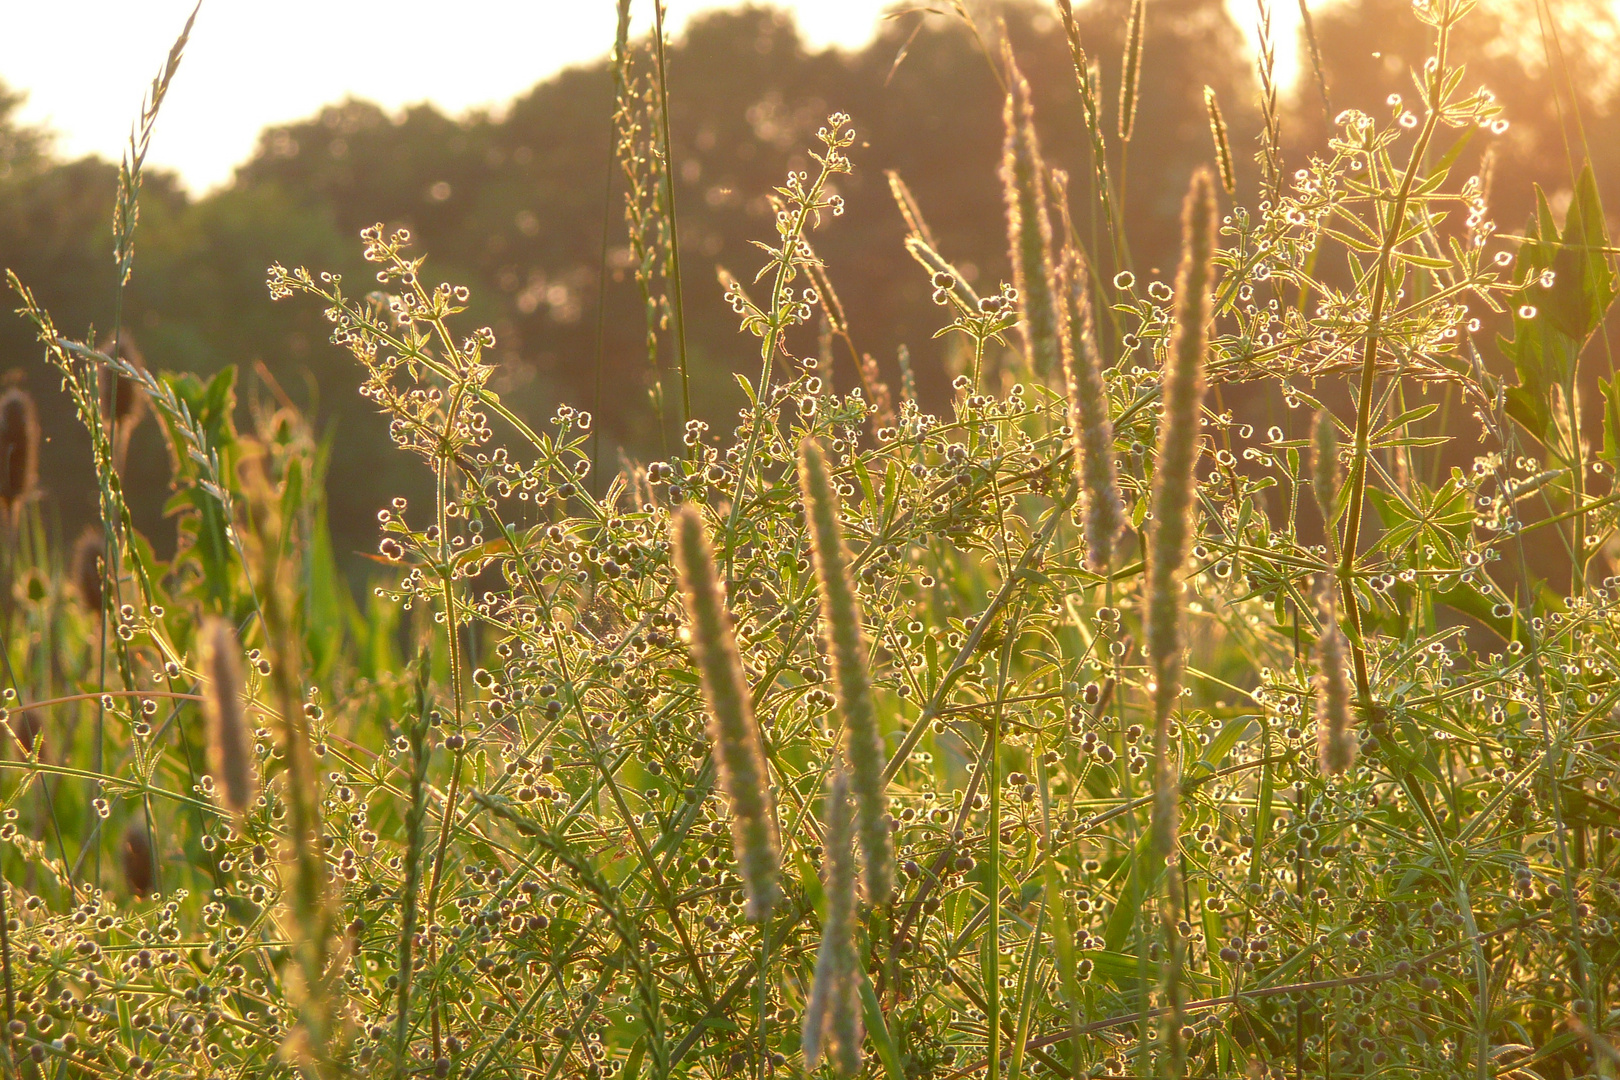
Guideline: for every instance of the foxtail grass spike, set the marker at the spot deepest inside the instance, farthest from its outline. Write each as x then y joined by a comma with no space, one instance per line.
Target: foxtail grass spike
1029,227
1316,56
1325,467
89,556
136,853
229,739
1093,430
1130,84
841,617
1223,146
832,1019
1173,485
1335,739
739,753
19,451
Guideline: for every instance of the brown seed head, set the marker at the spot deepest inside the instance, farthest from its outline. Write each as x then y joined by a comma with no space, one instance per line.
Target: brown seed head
19,450
139,873
89,554
231,744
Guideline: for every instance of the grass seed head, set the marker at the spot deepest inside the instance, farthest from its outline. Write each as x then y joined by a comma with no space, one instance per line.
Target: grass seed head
846,644
832,1019
230,741
89,558
1335,738
135,851
1093,438
1029,227
19,450
1325,466
733,734
1223,146
1173,483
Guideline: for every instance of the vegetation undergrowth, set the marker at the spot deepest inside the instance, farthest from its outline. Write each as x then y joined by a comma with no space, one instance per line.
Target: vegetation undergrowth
1086,730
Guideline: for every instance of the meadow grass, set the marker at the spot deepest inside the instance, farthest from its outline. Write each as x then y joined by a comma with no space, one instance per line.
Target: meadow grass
1089,728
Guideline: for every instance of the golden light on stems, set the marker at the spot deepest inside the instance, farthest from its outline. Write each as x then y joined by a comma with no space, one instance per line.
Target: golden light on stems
1130,85
1223,146
1029,227
1092,429
739,753
1172,528
230,742
832,1018
846,644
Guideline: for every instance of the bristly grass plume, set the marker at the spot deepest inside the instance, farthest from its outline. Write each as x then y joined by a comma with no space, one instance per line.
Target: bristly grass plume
733,733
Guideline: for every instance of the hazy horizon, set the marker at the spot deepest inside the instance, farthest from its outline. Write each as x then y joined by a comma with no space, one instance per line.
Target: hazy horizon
261,69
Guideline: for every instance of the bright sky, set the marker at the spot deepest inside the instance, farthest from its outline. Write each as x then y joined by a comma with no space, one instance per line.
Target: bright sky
85,64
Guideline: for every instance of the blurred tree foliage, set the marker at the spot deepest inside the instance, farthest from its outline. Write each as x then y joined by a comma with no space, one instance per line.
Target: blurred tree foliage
515,205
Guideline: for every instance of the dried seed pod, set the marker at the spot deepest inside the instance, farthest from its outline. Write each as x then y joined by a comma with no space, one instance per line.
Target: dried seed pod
89,556
846,644
19,451
140,874
1223,147
739,753
1335,739
1093,437
1029,228
1173,485
230,742
832,1018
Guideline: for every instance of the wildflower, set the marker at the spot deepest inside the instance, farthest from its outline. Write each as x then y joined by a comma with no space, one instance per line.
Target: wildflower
1093,437
832,1019
1029,229
738,752
19,451
230,741
1173,484
136,851
841,615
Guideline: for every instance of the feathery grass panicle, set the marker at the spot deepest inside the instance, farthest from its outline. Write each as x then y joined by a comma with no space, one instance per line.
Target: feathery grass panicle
1130,83
841,617
135,852
832,1019
89,555
739,753
1179,432
1335,738
1029,227
19,451
230,742
1325,468
1223,146
1093,429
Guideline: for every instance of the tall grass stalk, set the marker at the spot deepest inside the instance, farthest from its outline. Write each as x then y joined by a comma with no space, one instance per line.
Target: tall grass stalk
846,644
1029,227
733,733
